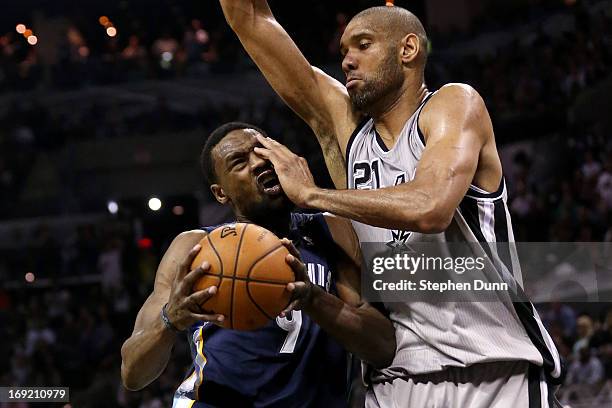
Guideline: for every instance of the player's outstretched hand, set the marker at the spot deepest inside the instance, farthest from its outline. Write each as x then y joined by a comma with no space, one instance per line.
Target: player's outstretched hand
292,170
302,289
184,308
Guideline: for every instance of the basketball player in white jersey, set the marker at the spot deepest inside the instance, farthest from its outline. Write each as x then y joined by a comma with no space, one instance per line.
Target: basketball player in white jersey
420,166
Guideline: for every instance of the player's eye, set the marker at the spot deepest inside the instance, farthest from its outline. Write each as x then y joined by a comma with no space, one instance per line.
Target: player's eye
238,164
364,45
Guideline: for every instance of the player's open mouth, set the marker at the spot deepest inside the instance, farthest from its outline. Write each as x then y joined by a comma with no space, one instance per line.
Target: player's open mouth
268,182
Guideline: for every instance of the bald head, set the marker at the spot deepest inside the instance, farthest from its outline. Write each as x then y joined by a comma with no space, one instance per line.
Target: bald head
396,22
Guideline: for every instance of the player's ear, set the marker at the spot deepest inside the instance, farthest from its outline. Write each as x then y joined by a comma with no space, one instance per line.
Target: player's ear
411,46
219,194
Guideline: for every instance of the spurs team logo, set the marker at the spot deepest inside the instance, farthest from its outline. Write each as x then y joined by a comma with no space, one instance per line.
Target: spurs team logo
399,239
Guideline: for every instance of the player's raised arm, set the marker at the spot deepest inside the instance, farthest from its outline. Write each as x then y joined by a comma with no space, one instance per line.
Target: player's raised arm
319,99
146,353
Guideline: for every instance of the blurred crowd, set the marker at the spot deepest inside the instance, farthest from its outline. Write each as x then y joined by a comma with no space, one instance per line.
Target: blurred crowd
30,130
584,340
69,334
68,328
164,42
529,83
572,203
540,80
528,86
78,62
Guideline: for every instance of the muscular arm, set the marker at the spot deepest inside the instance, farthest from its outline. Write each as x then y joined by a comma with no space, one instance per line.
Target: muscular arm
146,353
455,123
359,327
321,101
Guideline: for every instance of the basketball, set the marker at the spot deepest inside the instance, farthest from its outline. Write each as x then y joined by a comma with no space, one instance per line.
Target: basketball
247,264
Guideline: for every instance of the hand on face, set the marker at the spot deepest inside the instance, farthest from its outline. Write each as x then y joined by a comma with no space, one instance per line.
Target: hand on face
292,170
302,289
184,305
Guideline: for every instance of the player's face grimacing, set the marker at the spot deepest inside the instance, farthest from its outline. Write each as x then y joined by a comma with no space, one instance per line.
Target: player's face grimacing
245,180
371,65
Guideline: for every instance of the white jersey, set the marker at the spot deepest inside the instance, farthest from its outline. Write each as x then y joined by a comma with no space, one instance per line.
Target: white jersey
432,336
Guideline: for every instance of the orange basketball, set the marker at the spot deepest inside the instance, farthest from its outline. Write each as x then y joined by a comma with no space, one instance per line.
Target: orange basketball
247,264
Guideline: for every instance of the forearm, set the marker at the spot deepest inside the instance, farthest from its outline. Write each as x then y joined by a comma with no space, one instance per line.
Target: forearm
361,330
145,355
277,57
399,207
241,14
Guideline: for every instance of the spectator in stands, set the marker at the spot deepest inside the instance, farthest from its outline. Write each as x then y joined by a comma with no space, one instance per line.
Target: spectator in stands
561,315
601,343
196,41
165,43
134,51
109,265
334,44
586,369
584,330
590,167
20,367
76,49
165,51
37,334
604,183
584,378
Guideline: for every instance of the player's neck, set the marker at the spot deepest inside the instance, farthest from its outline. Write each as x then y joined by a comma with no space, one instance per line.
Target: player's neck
390,121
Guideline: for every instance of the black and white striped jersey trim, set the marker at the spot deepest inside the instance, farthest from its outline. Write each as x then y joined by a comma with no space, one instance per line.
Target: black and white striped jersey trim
488,217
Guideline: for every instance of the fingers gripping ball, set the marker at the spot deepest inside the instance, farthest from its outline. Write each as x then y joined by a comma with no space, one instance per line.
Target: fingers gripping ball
247,264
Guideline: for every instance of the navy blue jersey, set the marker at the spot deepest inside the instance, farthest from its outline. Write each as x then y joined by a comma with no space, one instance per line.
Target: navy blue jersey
290,362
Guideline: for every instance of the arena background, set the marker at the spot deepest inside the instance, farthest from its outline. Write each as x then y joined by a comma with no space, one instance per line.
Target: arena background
106,105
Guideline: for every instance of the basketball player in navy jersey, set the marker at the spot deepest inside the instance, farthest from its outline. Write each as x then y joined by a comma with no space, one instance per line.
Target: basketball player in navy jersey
421,166
299,360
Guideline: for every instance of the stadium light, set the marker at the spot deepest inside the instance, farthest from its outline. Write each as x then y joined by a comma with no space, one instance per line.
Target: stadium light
30,277
155,204
113,207
32,40
111,31
20,28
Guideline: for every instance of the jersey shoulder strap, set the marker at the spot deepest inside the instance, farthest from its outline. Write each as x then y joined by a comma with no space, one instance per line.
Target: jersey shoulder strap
419,110
358,129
